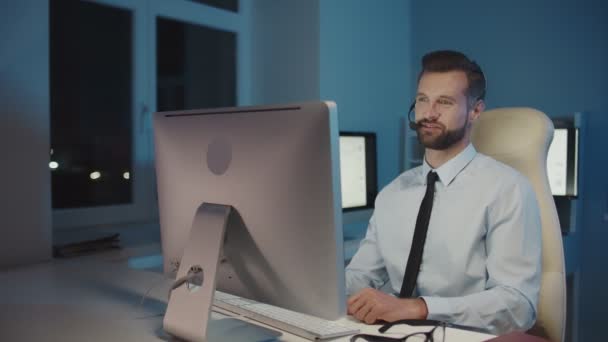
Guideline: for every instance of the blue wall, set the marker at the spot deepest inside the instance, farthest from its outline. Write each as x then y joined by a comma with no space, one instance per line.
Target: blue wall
365,55
284,51
364,65
553,56
353,52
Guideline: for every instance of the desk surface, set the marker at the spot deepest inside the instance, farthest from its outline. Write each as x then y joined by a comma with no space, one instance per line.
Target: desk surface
98,298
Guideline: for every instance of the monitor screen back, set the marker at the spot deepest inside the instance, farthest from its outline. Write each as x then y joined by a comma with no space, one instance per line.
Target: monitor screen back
278,167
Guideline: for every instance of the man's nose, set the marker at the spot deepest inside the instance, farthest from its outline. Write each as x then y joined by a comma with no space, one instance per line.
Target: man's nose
431,112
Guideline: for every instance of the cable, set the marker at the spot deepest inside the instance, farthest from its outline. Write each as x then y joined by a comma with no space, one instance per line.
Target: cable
195,276
147,293
179,282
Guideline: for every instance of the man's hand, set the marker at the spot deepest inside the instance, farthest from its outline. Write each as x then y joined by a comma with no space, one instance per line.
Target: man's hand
370,306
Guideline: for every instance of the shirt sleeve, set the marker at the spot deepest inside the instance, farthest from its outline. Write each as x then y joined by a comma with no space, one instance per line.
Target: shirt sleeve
366,268
513,246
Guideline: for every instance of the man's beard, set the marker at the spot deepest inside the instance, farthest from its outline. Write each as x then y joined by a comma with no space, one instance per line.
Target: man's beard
445,140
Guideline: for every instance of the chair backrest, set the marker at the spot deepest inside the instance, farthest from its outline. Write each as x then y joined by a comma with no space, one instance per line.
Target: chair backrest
520,138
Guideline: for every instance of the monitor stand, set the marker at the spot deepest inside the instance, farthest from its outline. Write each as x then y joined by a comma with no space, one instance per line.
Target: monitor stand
189,308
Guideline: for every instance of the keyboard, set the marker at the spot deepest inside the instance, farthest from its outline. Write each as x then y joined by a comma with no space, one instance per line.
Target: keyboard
306,326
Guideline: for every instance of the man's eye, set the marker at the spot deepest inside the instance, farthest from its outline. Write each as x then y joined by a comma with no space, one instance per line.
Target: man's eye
444,102
422,99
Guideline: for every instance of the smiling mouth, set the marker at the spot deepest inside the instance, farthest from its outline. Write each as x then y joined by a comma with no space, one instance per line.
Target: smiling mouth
427,125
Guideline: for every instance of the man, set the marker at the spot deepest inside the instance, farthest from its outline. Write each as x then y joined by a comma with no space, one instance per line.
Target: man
477,259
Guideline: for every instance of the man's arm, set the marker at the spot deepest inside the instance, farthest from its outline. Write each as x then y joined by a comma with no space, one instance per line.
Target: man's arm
371,305
367,268
513,247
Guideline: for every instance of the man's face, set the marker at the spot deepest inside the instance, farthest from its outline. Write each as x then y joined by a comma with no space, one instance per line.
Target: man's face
441,109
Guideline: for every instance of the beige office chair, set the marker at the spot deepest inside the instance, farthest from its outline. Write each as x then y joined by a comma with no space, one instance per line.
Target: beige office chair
520,138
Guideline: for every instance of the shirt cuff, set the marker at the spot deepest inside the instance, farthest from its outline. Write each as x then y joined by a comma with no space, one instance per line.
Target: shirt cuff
438,308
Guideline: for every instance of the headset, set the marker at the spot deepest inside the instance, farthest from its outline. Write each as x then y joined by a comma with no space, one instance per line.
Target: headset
413,124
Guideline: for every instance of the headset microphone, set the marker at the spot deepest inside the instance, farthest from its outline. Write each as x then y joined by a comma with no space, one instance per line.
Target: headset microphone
413,124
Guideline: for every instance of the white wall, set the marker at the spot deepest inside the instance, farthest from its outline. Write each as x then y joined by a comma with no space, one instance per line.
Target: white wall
25,195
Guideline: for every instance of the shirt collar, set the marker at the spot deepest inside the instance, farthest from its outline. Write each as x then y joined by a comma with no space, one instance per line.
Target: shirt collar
448,171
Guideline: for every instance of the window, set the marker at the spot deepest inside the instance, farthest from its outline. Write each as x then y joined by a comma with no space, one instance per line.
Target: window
107,80
196,66
91,101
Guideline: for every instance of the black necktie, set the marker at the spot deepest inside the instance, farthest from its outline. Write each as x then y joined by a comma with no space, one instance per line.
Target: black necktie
422,225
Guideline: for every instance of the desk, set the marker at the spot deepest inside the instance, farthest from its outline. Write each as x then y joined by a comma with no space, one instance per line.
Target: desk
97,298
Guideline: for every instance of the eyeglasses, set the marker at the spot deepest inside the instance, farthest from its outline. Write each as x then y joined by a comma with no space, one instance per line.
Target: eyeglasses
437,334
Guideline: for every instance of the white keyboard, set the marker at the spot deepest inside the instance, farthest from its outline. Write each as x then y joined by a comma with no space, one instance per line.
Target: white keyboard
309,327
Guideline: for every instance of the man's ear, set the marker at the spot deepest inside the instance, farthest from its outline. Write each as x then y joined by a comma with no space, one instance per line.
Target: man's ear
479,107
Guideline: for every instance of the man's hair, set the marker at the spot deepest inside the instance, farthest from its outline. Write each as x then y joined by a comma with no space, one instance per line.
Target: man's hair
446,60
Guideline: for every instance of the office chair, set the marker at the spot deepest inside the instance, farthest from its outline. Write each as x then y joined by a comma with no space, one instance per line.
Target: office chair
520,138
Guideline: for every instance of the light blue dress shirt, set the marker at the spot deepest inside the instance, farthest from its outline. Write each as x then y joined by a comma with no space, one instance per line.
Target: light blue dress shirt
482,257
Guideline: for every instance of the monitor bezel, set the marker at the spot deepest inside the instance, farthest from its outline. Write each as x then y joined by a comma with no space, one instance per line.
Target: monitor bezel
371,167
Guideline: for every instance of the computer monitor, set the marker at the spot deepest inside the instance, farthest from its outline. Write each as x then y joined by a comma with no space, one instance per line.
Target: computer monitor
358,170
278,167
562,160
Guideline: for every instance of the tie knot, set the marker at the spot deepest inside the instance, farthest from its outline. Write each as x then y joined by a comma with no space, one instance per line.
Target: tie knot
431,177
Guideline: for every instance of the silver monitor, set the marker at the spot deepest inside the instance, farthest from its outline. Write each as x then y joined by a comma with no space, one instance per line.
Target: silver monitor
278,168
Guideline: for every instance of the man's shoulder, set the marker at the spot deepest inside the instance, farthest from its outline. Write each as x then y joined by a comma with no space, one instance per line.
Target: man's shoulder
496,174
408,178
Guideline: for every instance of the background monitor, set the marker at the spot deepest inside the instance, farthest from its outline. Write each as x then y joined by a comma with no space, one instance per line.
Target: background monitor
278,167
562,160
358,170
